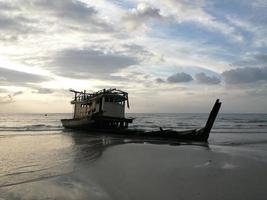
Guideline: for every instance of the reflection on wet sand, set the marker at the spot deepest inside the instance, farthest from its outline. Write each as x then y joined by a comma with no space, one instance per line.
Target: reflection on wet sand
28,161
70,165
26,158
92,147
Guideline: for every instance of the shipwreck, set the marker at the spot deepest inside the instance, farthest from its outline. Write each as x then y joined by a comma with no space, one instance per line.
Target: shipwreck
104,112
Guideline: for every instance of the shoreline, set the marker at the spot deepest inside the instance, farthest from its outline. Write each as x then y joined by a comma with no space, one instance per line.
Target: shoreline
71,166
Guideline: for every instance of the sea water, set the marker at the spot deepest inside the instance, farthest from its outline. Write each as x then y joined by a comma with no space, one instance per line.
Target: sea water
228,128
225,123
39,159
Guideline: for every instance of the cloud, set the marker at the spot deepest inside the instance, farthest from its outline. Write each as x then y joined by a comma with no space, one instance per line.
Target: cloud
184,11
72,12
257,91
5,100
160,80
262,57
17,93
245,75
254,24
179,78
12,77
9,98
2,90
43,91
7,6
70,9
240,23
139,50
7,23
82,63
205,79
43,16
259,3
254,58
88,41
16,25
139,16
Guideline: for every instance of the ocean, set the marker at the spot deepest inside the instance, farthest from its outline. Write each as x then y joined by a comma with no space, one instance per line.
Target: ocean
41,160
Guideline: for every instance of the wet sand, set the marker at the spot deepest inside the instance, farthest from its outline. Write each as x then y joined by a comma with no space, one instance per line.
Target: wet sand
77,166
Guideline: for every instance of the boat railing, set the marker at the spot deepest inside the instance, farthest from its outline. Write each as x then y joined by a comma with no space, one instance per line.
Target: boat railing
84,97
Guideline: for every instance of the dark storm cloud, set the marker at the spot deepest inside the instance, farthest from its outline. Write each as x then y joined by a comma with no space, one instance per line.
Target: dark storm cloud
11,77
245,75
179,78
205,79
88,62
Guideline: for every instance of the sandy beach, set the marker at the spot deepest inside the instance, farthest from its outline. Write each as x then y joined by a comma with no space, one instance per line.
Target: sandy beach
66,165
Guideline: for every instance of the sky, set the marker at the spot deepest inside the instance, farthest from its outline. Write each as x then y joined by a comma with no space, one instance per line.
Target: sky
170,55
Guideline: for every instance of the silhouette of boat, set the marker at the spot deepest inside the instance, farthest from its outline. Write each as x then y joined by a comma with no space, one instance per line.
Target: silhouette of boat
104,112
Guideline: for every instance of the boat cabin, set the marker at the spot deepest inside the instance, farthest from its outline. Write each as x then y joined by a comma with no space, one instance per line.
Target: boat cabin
105,106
